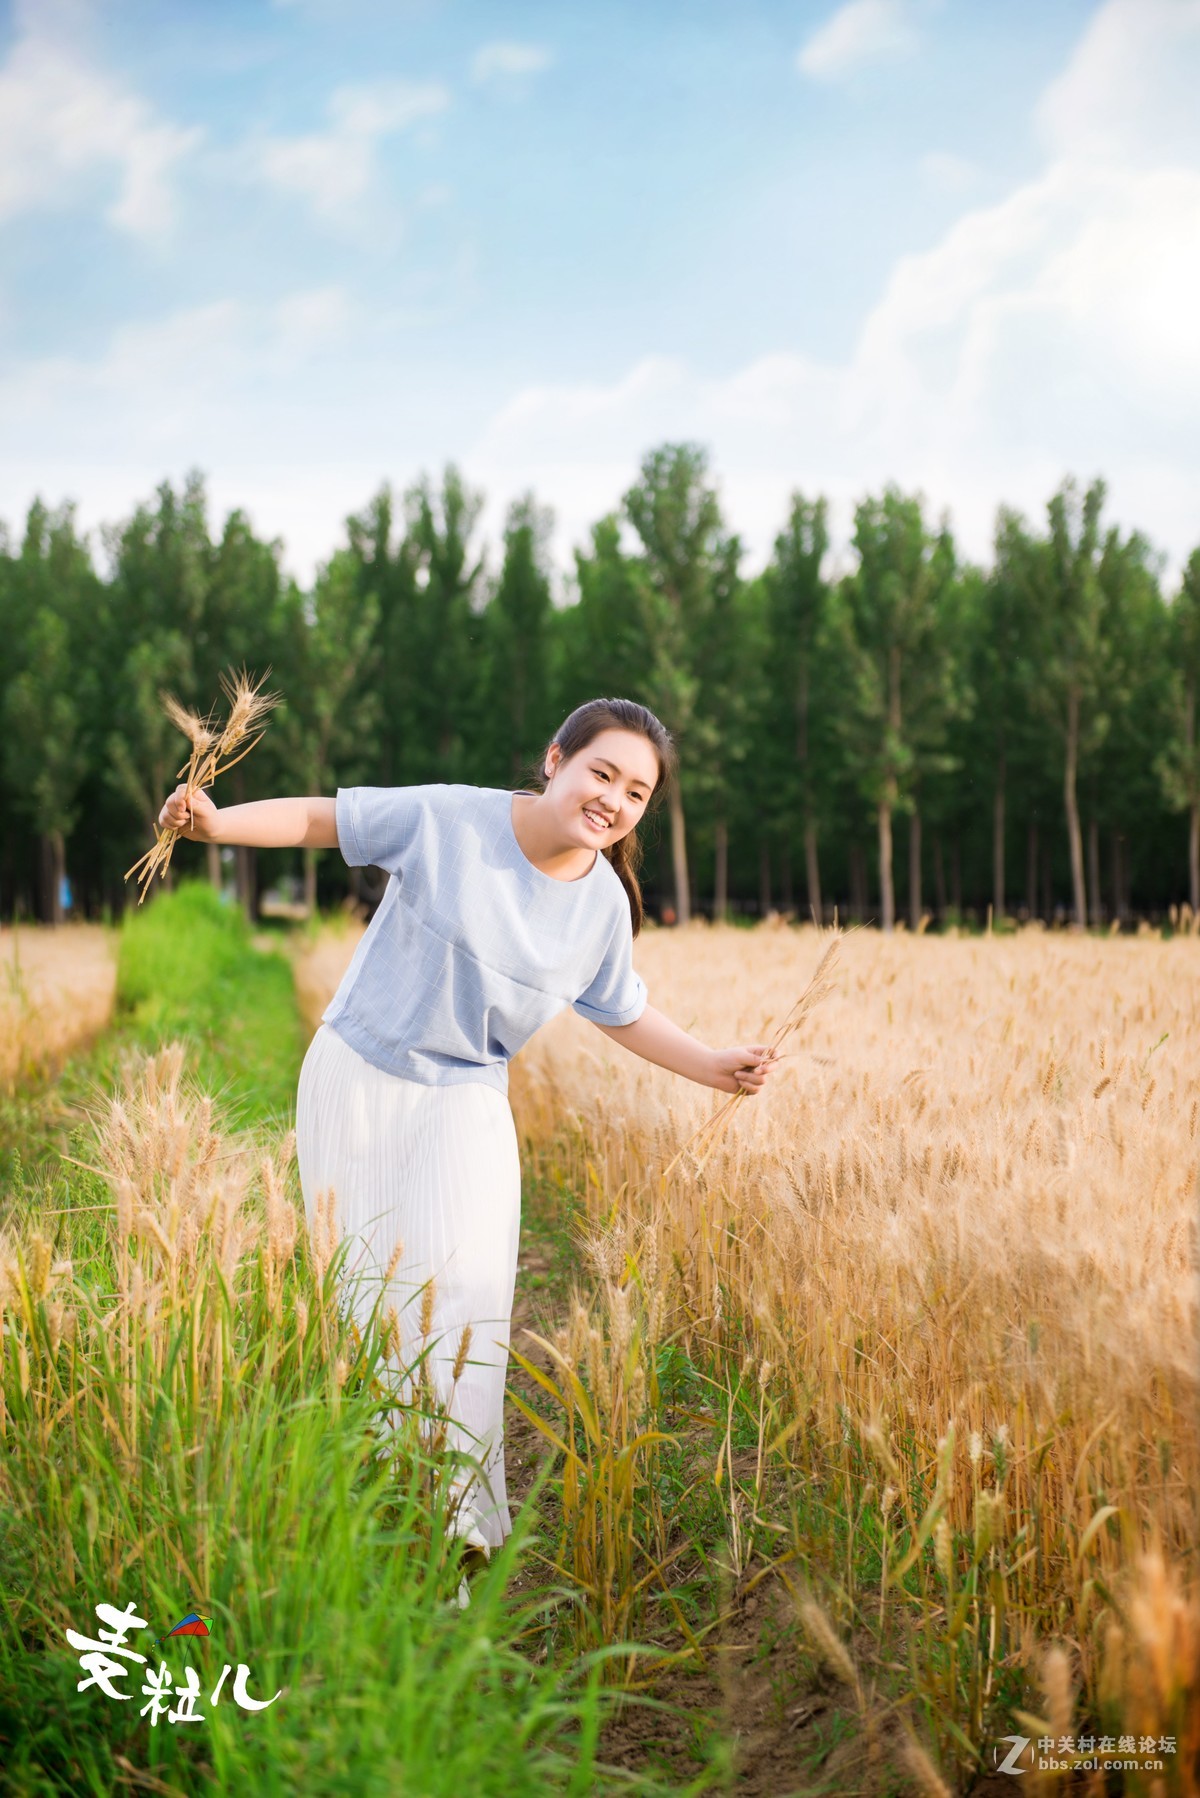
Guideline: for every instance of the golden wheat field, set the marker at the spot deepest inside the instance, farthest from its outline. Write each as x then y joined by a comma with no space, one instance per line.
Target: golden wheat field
56,992
959,1226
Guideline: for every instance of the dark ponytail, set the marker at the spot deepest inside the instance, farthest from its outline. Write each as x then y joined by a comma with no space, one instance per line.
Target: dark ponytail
574,734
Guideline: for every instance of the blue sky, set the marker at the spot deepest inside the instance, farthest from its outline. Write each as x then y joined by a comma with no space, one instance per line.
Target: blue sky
313,245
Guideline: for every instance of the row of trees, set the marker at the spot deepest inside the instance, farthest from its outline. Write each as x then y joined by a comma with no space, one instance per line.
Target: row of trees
1038,717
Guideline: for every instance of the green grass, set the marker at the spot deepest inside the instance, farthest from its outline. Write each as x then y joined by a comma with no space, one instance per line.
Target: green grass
187,968
266,1505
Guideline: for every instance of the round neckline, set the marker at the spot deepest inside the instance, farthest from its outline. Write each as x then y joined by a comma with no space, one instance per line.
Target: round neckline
553,879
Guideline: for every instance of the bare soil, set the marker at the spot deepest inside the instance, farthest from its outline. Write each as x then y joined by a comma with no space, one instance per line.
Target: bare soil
744,1706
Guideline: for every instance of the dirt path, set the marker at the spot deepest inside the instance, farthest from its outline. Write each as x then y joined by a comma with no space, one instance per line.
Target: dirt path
748,1709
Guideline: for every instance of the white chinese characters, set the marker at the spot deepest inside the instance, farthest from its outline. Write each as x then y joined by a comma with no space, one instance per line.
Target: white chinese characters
107,1657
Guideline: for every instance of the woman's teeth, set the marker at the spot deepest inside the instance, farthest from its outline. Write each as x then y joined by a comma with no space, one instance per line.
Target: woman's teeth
597,822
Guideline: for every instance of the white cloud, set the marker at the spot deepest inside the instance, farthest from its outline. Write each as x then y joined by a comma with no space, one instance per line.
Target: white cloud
335,167
1047,333
99,431
861,31
1129,91
62,120
506,63
948,173
200,356
1052,332
311,320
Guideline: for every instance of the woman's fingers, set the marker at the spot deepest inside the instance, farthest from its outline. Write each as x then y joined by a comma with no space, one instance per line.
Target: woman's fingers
760,1059
176,813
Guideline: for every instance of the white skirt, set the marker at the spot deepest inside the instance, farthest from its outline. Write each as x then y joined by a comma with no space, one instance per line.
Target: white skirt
436,1168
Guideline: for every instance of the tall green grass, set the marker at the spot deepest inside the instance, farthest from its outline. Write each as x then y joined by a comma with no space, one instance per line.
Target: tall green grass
187,969
187,1422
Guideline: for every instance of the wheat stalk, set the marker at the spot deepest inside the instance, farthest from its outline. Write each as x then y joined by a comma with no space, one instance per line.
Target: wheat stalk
818,988
212,754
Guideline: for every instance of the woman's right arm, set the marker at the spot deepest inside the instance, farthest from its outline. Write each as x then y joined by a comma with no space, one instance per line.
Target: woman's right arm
303,823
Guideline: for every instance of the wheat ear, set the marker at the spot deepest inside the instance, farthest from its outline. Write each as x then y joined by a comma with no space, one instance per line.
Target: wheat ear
212,754
818,988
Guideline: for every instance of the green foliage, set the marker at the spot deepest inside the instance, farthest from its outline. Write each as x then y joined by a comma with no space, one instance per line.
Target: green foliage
1177,763
516,711
804,706
187,969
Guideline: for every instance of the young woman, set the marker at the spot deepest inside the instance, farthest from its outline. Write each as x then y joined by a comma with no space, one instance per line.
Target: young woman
503,908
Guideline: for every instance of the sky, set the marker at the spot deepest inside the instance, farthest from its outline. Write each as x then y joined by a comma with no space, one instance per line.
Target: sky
309,246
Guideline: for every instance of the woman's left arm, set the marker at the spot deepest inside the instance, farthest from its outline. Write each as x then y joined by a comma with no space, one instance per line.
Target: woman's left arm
742,1068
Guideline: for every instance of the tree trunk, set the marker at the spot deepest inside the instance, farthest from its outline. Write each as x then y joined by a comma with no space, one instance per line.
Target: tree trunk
998,799
785,875
914,871
54,864
246,864
1094,869
683,898
812,873
939,879
1189,737
213,858
1047,884
1118,893
1031,869
956,881
310,882
1071,801
242,873
721,872
764,875
858,882
886,890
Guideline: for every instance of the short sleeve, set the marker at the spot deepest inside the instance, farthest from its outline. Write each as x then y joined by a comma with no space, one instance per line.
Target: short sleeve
376,825
617,993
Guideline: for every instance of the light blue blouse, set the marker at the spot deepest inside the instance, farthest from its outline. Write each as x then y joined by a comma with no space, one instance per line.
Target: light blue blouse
472,948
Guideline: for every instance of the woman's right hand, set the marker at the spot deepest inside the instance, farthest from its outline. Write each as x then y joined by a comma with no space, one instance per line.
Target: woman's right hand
194,819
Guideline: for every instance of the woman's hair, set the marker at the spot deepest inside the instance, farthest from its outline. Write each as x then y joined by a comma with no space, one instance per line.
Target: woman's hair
575,733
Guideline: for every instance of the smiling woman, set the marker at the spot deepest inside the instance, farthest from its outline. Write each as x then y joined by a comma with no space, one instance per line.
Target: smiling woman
501,910
592,788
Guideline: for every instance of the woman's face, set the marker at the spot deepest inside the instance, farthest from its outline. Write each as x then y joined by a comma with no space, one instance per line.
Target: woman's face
612,779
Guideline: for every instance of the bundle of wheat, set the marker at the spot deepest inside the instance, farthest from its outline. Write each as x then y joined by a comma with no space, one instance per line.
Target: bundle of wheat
212,754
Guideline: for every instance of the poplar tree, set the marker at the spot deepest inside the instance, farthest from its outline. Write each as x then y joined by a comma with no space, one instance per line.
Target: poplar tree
50,593
329,727
447,633
798,616
516,685
1178,763
677,518
1069,610
902,678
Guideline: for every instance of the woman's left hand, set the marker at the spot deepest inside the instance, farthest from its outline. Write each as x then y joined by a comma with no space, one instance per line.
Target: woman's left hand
742,1069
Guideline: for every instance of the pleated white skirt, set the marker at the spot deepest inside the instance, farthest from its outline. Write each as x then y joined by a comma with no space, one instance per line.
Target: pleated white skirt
436,1168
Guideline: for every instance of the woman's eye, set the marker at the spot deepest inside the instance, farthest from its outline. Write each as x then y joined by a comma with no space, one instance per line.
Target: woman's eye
636,797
